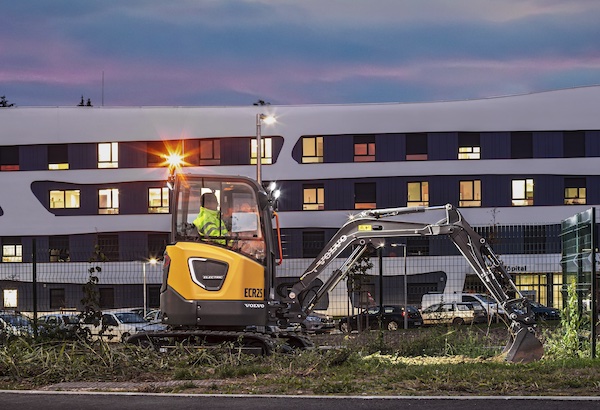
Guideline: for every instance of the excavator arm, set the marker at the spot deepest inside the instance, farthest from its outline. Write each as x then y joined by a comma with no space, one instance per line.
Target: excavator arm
370,228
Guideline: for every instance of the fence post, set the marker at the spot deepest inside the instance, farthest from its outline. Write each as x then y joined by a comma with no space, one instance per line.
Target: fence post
34,283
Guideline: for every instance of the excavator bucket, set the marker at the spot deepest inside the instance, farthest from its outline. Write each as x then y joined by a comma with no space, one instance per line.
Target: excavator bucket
523,347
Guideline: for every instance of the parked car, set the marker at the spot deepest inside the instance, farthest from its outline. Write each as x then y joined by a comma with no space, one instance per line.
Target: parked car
59,325
392,318
14,324
118,326
318,323
487,302
455,313
154,316
544,312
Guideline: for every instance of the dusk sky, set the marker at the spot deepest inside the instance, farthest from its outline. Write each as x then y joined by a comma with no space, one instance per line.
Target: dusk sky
235,52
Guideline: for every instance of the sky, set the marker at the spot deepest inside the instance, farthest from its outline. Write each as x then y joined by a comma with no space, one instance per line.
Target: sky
287,52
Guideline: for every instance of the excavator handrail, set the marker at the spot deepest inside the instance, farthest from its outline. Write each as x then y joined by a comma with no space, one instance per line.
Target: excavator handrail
276,215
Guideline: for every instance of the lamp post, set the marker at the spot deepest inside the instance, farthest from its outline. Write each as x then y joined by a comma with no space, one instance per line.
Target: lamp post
151,261
403,245
268,119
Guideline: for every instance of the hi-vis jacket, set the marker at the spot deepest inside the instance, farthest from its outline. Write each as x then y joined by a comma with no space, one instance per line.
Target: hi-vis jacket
210,224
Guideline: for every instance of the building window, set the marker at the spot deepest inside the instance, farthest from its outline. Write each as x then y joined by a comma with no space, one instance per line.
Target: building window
58,157
365,195
266,153
109,246
521,145
107,298
417,246
108,201
364,148
10,298
418,193
108,155
468,145
157,243
210,152
575,191
11,251
314,198
158,200
470,193
57,298
9,158
522,192
312,150
313,243
416,147
60,199
59,248
574,144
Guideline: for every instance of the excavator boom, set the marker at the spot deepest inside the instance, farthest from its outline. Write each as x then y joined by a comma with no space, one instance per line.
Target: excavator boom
370,228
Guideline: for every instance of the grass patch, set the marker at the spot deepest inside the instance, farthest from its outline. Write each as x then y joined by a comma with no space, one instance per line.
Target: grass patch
437,360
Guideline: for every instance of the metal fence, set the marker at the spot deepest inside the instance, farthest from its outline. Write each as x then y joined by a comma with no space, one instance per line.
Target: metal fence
430,265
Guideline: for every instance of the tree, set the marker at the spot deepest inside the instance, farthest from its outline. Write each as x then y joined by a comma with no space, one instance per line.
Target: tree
4,102
82,103
261,103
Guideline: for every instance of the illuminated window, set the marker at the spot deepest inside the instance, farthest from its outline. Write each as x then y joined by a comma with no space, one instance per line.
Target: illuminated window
416,147
312,150
365,195
470,193
364,148
64,199
314,198
10,298
12,252
9,158
108,155
210,152
522,192
58,156
575,191
468,145
108,201
158,200
266,151
418,193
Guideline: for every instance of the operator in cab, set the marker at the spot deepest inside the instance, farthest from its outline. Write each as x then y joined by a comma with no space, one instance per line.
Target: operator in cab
209,221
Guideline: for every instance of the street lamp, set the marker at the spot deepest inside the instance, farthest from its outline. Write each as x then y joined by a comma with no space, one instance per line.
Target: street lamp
405,285
151,261
267,119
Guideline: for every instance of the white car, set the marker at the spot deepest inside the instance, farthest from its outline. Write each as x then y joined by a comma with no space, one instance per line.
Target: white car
118,326
454,313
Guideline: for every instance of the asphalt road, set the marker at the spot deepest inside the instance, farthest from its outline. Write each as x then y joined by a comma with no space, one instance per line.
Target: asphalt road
24,400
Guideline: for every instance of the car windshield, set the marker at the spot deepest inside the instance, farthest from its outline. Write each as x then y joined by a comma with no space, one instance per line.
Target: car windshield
486,299
130,317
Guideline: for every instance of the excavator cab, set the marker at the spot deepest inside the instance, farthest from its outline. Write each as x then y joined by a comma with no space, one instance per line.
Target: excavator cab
217,266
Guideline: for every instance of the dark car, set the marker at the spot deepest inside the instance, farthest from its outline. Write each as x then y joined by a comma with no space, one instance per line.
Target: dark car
393,318
544,312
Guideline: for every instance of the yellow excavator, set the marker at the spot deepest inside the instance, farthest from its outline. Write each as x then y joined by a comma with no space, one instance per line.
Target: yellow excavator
220,285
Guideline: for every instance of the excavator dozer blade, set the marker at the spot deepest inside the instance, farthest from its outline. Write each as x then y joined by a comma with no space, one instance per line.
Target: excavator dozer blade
523,347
